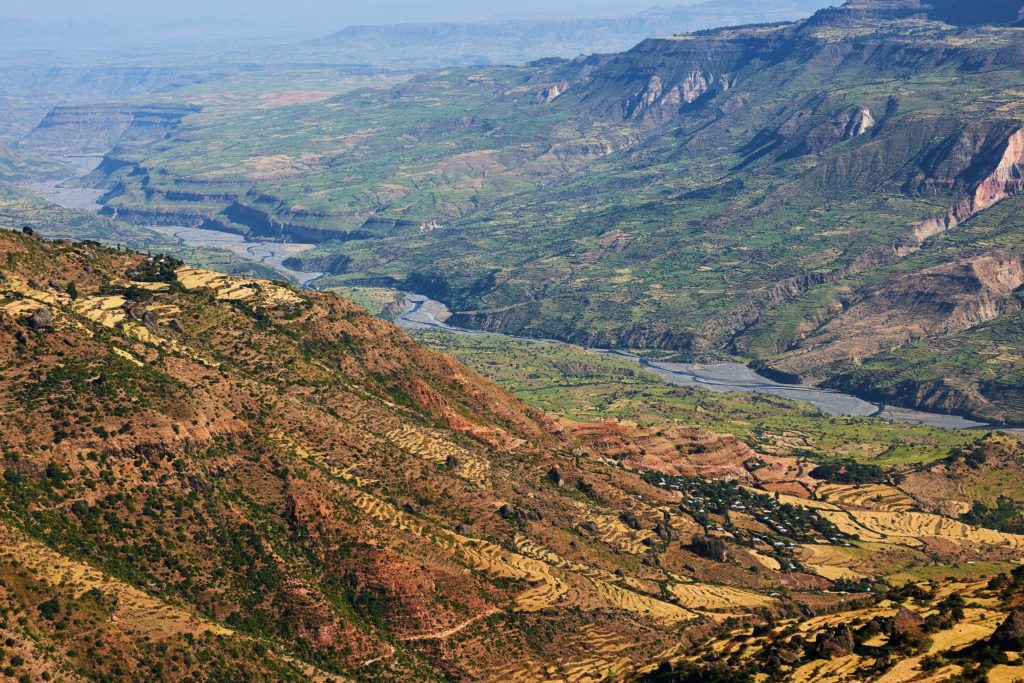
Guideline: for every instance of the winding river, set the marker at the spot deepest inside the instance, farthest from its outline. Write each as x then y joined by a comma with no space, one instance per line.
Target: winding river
272,254
65,193
422,313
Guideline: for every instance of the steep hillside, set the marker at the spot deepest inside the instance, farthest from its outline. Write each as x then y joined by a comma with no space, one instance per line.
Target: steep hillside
300,489
216,478
96,128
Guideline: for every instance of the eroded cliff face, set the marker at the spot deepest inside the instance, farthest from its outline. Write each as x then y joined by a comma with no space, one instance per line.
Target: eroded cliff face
1005,180
98,128
659,80
982,162
656,103
938,301
956,12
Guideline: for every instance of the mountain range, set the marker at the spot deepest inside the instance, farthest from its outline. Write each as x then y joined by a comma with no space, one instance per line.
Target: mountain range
517,41
208,477
700,194
216,467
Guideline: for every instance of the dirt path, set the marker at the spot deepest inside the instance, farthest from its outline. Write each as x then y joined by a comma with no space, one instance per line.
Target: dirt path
449,632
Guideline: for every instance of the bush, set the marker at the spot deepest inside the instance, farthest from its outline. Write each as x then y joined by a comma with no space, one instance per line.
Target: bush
49,609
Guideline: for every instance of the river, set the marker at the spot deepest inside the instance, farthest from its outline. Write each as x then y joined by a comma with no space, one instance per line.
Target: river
64,193
272,254
422,313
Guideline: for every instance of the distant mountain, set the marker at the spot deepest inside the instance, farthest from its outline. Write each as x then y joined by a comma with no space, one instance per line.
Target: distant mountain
955,12
518,41
95,128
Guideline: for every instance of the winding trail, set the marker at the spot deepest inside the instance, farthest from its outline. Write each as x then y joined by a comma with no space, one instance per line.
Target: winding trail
449,632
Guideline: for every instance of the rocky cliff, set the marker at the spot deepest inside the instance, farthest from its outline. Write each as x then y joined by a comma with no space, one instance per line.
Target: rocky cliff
98,128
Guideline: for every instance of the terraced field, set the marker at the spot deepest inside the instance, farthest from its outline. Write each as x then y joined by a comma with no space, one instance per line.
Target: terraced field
702,597
831,562
867,497
910,527
437,450
976,624
228,288
609,660
139,611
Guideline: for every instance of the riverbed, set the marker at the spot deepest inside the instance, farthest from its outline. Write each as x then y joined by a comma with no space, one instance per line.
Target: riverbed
422,313
272,254
63,193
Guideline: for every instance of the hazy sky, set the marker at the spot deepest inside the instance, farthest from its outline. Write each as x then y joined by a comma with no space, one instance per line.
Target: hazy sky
329,14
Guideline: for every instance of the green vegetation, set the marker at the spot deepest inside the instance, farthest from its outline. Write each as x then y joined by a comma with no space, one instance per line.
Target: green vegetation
593,387
591,202
1005,515
849,472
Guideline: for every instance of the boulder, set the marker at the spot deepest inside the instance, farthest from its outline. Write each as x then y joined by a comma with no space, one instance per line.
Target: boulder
629,519
150,322
41,319
837,643
907,625
506,511
555,476
710,548
1010,634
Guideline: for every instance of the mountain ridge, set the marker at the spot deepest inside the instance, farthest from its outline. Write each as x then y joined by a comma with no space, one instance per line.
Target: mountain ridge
216,477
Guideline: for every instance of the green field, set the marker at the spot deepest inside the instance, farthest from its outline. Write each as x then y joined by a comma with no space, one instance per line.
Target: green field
593,387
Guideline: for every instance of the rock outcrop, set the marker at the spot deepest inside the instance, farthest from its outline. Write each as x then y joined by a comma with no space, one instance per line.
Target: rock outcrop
1009,636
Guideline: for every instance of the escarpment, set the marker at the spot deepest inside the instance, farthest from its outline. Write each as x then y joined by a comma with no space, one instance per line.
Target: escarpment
938,301
1006,179
98,128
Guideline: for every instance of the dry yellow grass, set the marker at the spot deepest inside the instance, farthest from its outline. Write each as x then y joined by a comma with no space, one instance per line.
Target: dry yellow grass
653,608
226,287
138,612
105,310
827,671
866,496
906,528
765,561
1005,673
434,448
478,555
607,659
703,596
13,283
977,624
918,524
318,460
612,531
829,561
